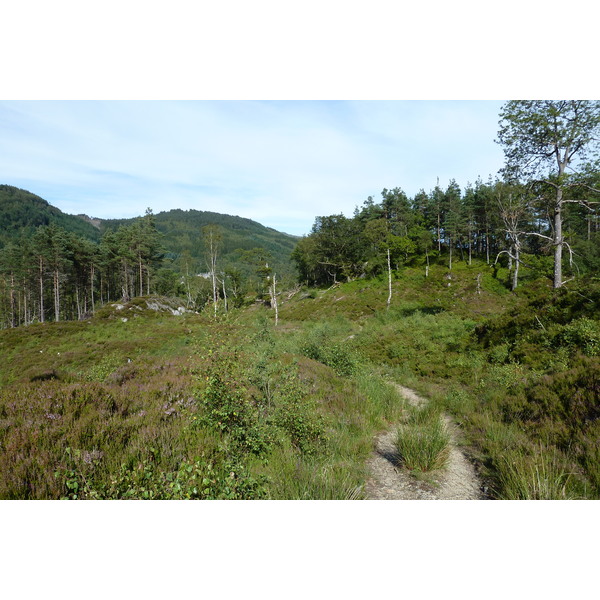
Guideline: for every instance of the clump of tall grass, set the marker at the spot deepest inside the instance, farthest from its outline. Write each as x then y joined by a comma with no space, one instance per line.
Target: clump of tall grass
544,475
325,478
423,442
382,399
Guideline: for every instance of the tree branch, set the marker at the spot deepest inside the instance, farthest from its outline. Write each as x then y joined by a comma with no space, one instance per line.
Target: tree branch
513,257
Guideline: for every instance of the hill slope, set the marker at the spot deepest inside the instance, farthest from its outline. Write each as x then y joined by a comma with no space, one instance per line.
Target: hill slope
182,230
22,212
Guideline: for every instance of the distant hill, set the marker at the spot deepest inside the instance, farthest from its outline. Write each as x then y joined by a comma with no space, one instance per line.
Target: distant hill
182,233
22,212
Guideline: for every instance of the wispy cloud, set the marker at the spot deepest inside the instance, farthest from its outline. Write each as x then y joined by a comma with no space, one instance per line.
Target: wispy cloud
279,163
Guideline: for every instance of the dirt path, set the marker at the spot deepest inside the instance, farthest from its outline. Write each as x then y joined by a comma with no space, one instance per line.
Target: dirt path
389,481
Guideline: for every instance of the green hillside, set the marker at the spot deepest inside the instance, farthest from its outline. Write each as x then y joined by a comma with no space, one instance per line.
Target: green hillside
182,234
22,212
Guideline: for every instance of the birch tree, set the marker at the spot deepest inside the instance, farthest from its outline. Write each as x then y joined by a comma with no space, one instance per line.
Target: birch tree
213,239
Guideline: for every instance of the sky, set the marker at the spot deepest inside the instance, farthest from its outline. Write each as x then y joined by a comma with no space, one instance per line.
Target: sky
281,163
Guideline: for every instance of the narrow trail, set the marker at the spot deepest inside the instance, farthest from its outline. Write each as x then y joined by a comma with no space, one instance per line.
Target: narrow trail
389,481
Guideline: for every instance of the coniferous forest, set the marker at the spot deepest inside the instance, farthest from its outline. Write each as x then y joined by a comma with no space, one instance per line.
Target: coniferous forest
198,355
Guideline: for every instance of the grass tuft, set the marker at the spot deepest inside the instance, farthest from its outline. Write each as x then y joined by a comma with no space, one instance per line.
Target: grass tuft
423,442
541,476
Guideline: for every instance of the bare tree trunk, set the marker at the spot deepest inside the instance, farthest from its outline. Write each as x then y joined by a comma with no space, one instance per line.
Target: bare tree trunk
515,277
389,300
214,287
470,250
141,276
187,285
274,301
558,242
13,321
78,304
56,296
26,304
125,287
41,290
92,288
224,294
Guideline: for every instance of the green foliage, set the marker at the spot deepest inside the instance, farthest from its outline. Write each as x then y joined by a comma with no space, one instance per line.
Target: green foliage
295,413
236,394
182,234
583,333
230,412
22,212
320,347
200,479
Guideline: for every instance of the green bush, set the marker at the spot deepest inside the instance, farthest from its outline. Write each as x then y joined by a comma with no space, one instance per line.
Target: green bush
196,480
228,411
583,334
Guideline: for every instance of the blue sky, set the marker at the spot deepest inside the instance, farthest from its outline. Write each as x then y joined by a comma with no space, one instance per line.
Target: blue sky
280,163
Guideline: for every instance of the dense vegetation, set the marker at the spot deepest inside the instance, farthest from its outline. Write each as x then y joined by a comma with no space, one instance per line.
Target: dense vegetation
456,293
544,206
500,222
158,406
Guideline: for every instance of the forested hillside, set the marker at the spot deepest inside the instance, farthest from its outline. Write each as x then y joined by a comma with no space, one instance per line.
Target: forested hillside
182,232
57,266
22,212
541,217
506,224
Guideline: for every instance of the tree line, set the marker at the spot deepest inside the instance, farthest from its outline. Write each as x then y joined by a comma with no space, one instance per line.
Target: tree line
56,275
542,213
543,208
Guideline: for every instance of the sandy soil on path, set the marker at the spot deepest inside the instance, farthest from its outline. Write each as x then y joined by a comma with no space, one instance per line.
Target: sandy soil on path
389,481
